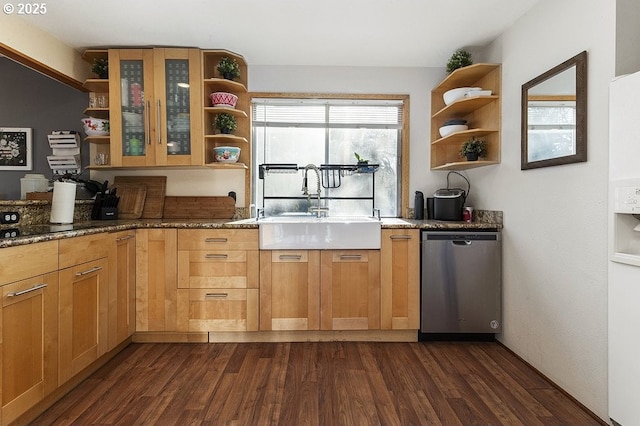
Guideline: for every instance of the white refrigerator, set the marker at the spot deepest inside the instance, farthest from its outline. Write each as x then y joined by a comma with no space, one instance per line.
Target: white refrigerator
624,250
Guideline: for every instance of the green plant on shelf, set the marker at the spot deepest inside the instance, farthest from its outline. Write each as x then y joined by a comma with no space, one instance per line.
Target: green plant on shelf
228,68
226,123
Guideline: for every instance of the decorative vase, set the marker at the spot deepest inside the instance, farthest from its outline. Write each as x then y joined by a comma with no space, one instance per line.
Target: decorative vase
472,156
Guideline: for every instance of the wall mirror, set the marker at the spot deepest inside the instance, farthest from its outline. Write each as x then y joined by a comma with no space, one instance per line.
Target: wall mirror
554,116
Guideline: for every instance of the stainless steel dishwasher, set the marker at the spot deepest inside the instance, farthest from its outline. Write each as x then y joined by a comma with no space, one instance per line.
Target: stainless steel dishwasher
461,282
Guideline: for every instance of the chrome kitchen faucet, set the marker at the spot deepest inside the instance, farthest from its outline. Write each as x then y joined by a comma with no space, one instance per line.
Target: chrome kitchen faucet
305,190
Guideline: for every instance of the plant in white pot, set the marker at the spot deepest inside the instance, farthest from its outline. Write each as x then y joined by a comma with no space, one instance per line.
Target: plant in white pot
473,149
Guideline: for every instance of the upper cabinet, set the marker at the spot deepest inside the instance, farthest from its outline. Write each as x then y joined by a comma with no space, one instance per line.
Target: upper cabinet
482,114
98,107
155,107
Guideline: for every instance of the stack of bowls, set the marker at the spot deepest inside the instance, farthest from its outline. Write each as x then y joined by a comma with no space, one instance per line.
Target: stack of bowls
452,126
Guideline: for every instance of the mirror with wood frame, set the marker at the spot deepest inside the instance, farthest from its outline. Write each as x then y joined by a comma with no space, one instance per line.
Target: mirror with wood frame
554,116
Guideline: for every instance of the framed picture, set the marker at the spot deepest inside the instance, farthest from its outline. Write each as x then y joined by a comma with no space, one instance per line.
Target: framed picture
15,148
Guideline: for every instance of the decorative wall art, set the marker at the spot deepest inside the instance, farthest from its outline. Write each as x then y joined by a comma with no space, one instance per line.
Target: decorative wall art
15,148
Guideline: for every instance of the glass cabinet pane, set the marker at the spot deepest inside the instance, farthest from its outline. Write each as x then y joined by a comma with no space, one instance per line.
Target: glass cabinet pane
132,103
178,128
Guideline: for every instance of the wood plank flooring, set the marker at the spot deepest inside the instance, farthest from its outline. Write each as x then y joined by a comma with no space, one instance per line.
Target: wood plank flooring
328,383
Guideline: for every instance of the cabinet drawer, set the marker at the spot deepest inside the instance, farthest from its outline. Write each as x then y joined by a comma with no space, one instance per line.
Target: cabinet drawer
218,269
74,251
217,239
217,309
22,262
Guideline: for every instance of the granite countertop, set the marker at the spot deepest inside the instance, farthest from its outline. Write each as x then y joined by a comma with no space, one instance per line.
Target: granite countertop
28,234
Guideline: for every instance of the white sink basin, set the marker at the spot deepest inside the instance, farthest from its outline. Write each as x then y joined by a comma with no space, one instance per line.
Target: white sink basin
305,232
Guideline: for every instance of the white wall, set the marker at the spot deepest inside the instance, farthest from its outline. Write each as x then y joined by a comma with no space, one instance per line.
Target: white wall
555,237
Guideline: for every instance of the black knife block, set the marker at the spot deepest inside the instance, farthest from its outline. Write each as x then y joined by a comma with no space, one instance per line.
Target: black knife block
102,212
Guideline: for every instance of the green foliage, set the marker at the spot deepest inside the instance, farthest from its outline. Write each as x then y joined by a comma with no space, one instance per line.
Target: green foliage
226,123
360,159
473,146
461,58
228,68
100,67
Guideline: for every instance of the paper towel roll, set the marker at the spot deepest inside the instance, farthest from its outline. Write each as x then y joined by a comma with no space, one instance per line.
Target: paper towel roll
63,202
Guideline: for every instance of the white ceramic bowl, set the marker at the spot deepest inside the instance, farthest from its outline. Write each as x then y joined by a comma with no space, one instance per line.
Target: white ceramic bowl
223,99
479,92
450,96
226,154
96,126
447,130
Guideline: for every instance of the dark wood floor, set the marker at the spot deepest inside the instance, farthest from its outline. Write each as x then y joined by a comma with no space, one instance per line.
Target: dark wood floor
448,383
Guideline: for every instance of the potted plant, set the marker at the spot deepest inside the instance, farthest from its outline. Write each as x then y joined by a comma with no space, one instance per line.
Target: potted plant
100,67
460,58
226,123
361,161
228,68
473,148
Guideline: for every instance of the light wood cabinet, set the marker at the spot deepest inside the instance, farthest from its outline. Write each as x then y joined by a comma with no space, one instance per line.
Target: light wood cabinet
122,286
154,107
481,112
400,279
290,290
218,280
350,290
28,327
98,108
83,316
241,137
156,279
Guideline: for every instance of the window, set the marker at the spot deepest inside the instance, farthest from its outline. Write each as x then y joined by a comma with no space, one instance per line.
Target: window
304,131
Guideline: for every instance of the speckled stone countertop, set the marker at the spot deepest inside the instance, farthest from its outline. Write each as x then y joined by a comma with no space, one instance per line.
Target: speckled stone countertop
28,234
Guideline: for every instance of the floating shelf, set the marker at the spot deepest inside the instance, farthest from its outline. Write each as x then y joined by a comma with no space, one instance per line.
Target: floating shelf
223,166
460,137
232,111
224,83
98,85
464,165
464,106
222,137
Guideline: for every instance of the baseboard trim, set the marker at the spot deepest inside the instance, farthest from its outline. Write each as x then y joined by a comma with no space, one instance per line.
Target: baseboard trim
315,336
555,385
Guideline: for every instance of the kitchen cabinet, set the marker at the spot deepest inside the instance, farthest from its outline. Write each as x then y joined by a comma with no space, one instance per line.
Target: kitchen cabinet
218,282
28,327
122,286
400,279
83,313
481,112
154,107
156,279
99,146
290,290
241,137
350,290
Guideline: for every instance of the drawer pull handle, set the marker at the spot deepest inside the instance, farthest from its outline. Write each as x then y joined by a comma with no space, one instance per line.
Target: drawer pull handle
350,256
217,295
126,237
215,256
88,271
290,257
215,240
401,237
29,290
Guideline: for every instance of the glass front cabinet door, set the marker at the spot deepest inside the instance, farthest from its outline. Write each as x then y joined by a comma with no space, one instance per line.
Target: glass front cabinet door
151,120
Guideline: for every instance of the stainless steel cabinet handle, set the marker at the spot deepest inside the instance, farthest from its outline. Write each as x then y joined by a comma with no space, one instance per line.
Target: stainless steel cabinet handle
88,271
29,290
350,256
215,256
159,128
147,129
126,237
217,295
215,240
401,237
290,257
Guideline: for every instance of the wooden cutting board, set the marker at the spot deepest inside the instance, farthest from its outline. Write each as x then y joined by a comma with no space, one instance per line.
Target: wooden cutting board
156,190
132,200
199,207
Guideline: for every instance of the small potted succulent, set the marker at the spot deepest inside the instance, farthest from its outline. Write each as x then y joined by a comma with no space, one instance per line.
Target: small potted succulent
100,67
473,148
226,123
228,68
460,58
